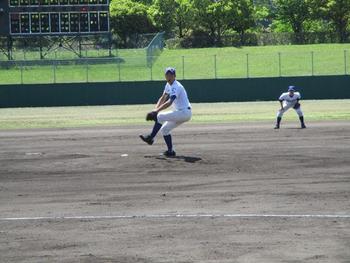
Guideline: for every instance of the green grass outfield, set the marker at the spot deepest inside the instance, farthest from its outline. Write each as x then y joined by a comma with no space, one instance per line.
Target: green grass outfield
206,63
93,116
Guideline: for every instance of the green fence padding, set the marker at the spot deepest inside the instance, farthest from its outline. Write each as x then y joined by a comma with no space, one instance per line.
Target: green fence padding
212,90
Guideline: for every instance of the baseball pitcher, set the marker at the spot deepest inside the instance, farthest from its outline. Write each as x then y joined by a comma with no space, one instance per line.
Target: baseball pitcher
174,94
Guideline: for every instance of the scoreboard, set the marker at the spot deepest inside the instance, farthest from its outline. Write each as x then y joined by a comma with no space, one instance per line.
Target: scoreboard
53,17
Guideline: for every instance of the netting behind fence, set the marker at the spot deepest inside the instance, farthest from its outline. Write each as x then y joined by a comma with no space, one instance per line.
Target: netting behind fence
76,47
154,48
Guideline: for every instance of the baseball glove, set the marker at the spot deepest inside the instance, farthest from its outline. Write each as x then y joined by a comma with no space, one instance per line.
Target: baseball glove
151,116
296,106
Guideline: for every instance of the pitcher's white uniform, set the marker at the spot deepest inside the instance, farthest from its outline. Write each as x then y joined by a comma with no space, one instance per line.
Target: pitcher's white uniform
289,102
181,105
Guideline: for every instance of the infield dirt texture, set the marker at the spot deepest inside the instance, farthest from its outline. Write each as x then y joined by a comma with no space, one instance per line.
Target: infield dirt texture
229,169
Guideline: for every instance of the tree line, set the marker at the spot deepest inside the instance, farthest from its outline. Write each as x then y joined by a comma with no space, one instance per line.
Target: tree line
211,20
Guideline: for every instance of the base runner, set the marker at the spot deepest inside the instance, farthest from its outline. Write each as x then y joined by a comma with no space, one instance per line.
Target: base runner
174,94
289,100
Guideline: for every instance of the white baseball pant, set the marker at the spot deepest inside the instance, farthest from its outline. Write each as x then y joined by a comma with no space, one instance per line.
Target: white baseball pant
170,120
286,107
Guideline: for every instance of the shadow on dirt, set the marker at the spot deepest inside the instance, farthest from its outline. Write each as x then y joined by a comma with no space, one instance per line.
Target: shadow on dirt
187,159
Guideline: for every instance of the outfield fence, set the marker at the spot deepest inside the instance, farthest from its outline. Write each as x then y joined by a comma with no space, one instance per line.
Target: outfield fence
133,65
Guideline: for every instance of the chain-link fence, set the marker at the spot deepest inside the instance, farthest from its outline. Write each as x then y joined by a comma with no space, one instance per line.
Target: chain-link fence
131,65
73,47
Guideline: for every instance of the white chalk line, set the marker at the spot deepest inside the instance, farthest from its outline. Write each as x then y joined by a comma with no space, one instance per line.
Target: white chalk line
166,216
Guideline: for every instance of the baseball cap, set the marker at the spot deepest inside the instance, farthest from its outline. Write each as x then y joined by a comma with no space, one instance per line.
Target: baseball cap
170,70
291,88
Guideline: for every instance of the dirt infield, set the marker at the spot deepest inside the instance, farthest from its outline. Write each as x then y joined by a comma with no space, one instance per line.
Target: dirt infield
236,193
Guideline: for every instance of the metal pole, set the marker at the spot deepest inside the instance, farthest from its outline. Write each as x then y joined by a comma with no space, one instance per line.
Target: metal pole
345,62
54,71
247,66
312,63
151,67
280,64
215,69
87,71
21,73
110,44
119,70
183,67
9,48
41,48
79,39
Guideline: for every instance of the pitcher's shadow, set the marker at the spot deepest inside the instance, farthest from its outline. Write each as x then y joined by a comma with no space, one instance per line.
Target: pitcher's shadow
187,159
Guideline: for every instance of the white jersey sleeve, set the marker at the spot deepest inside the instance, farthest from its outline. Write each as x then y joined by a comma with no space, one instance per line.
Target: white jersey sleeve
283,96
174,91
288,99
167,89
178,92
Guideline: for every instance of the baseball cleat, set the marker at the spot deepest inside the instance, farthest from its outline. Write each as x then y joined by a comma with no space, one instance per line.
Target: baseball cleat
303,126
169,154
277,127
147,139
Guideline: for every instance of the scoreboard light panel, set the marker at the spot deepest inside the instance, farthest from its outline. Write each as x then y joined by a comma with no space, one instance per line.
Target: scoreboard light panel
58,17
55,23
16,3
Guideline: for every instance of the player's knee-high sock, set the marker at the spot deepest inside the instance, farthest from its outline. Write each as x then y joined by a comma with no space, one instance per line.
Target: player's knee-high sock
156,129
301,118
278,121
169,142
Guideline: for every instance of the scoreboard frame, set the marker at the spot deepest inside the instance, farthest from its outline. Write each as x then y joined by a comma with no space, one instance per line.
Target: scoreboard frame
54,17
